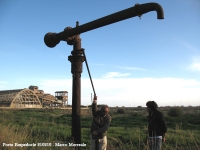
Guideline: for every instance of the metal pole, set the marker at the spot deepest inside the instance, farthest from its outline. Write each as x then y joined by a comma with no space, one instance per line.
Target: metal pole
76,60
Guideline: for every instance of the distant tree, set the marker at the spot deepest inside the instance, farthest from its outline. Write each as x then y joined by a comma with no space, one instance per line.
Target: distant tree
175,112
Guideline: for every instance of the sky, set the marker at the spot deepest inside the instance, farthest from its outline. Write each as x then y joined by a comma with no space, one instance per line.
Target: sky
131,61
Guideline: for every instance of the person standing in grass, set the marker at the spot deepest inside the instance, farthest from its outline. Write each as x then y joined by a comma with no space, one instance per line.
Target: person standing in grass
100,123
157,127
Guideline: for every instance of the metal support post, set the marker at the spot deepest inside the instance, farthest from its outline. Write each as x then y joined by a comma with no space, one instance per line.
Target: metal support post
76,60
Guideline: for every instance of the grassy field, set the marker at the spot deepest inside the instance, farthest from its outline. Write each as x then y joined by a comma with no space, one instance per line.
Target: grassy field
128,130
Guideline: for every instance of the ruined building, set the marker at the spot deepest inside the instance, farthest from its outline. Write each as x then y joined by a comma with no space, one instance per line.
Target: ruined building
32,97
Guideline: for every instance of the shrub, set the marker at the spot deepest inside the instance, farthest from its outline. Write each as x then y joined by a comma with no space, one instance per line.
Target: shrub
175,112
121,111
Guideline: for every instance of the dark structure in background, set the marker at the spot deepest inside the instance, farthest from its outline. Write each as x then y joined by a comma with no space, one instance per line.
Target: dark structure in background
71,36
32,97
62,96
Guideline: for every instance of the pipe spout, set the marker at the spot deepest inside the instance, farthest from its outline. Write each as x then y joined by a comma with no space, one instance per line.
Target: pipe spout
145,8
51,39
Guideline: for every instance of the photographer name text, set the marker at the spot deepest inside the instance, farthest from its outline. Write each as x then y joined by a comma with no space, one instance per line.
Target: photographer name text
43,144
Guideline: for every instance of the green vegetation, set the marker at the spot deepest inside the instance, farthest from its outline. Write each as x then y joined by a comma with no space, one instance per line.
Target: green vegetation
121,111
175,112
128,130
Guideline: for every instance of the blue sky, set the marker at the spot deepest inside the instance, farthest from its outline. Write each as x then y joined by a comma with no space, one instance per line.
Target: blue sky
131,61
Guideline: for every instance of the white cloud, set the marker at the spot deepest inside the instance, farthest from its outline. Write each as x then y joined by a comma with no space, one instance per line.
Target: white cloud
115,74
188,46
195,65
132,91
3,84
51,86
131,68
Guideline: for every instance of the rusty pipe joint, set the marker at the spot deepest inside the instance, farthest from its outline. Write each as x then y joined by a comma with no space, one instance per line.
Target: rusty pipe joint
52,39
74,40
70,40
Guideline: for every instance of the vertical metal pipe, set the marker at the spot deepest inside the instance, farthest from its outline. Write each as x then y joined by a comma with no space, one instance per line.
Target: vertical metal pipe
76,112
76,60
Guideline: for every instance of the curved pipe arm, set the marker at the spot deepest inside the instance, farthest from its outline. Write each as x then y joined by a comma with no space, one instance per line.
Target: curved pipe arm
145,8
52,39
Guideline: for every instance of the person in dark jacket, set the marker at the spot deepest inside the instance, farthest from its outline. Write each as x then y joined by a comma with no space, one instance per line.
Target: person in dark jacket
157,127
100,123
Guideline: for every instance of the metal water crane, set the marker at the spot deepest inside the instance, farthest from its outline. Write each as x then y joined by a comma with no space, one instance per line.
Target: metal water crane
71,36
